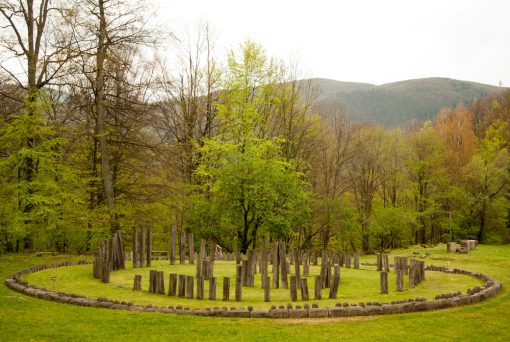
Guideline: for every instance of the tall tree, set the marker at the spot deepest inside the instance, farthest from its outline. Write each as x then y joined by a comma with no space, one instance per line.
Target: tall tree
426,168
487,178
186,114
39,41
248,178
328,175
365,172
456,130
113,31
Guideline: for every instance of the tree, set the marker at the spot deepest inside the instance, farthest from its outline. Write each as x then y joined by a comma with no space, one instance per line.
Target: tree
104,44
392,228
487,178
456,131
427,172
365,170
328,176
39,42
395,179
41,203
186,116
244,172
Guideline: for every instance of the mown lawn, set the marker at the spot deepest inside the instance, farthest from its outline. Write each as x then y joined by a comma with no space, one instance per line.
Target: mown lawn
24,318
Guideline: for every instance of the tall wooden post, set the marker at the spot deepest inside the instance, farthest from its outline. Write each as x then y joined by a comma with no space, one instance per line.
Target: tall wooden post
191,248
239,284
149,245
142,245
182,247
172,244
134,242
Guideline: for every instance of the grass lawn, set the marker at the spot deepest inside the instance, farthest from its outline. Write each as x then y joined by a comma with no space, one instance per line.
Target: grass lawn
24,318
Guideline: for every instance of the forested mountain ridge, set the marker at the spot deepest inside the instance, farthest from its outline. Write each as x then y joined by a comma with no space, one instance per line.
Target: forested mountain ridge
401,103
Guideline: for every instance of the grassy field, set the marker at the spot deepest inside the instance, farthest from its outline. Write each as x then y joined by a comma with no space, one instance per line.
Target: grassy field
357,286
24,318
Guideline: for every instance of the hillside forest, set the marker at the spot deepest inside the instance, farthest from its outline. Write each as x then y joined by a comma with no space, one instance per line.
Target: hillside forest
99,132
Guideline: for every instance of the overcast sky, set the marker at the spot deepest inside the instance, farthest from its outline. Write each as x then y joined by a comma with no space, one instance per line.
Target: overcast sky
364,40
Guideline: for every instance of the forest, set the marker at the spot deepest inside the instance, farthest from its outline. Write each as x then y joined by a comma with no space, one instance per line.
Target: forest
99,132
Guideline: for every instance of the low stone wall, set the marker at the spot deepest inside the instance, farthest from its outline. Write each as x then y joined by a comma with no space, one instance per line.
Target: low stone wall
442,301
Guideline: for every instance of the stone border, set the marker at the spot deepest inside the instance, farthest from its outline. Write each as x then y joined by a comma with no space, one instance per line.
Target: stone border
475,295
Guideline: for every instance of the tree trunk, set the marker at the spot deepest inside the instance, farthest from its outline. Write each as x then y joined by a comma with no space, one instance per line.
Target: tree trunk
100,112
482,221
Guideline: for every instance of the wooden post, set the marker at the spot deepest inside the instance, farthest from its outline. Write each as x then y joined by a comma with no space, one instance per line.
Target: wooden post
244,276
334,287
200,287
306,264
172,244
212,251
356,261
400,280
384,282
189,287
120,246
199,272
109,266
304,289
161,282
347,260
263,264
250,268
283,266
182,247
226,288
239,284
379,261
149,245
111,254
318,288
212,288
172,284
210,271
267,289
201,254
386,263
276,265
412,276
137,286
151,281
182,285
134,244
142,245
191,248
337,269
297,268
293,288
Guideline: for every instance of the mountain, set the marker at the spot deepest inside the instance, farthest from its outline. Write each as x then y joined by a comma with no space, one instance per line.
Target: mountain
401,103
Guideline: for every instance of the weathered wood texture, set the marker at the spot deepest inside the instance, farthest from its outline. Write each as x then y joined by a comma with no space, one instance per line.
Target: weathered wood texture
137,283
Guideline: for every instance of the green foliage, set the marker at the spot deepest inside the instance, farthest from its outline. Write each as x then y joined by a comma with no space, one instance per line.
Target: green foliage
487,179
392,227
248,186
38,186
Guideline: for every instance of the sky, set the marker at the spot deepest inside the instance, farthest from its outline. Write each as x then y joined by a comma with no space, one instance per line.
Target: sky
366,41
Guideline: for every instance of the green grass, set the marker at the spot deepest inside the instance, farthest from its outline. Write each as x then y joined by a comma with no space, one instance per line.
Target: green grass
356,286
24,318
